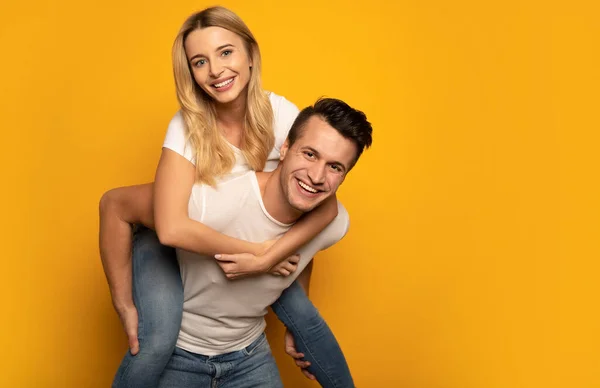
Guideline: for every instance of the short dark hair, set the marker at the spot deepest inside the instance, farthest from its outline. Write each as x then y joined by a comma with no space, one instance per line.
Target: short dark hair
349,122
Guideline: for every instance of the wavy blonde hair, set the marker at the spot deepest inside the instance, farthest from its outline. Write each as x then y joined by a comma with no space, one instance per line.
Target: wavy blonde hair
214,156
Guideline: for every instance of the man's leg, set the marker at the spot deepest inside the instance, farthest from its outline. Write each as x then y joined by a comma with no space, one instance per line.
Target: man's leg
158,297
313,338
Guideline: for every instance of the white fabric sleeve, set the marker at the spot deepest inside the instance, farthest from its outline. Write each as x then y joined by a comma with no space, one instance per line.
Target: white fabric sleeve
284,114
175,140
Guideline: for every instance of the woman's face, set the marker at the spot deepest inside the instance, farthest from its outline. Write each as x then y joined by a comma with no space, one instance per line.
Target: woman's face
219,62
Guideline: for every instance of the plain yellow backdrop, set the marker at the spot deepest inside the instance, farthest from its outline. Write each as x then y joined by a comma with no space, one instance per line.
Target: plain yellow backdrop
472,258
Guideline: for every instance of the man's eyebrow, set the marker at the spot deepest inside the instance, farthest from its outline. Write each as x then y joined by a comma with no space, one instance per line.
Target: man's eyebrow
217,49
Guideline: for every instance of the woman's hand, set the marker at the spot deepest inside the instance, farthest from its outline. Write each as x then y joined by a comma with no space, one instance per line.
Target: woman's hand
247,264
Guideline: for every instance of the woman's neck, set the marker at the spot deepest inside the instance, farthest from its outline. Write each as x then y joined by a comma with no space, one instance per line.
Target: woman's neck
231,116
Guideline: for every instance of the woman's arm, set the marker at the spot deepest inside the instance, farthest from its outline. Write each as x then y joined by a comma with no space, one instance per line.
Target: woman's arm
303,231
175,177
307,228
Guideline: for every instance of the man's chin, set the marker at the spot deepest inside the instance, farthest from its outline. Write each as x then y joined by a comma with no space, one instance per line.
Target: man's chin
304,207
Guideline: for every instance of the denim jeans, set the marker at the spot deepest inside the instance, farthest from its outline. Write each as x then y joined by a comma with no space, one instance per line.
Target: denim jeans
158,296
251,367
313,337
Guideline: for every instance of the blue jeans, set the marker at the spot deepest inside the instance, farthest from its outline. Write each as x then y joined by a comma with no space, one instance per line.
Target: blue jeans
251,367
158,296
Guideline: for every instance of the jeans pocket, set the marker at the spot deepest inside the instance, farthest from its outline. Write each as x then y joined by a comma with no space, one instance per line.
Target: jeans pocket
257,344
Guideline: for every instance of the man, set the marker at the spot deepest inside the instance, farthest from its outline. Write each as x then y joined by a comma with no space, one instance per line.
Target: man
222,330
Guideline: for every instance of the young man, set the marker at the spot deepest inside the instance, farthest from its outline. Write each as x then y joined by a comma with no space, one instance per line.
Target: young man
222,331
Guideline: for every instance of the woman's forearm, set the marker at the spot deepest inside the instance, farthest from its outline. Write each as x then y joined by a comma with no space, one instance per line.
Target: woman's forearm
307,228
193,236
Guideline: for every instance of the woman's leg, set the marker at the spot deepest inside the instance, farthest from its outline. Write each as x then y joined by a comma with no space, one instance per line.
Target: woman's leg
158,297
313,338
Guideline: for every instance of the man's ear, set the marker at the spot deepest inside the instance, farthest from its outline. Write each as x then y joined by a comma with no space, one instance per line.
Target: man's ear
284,149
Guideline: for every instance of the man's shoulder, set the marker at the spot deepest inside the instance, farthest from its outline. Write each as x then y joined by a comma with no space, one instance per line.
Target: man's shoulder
336,230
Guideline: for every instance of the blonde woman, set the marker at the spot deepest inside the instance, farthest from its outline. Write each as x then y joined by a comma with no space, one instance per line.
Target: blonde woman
227,125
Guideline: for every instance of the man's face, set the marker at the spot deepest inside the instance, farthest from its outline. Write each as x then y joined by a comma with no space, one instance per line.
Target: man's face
315,165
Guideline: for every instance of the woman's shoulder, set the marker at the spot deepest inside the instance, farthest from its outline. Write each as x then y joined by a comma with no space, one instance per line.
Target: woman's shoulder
284,114
176,138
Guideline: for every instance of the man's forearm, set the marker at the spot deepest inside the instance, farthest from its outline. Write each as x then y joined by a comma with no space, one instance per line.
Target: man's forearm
115,252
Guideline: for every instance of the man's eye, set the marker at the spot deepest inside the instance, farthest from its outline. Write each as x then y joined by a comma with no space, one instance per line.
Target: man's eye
335,167
309,154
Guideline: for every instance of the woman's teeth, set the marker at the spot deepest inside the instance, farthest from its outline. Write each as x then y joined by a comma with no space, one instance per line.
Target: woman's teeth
224,83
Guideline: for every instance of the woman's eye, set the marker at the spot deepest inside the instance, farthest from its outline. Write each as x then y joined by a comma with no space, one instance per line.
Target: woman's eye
226,52
200,62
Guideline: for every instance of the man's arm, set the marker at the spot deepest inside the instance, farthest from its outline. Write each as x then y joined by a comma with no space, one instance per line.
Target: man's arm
290,345
119,208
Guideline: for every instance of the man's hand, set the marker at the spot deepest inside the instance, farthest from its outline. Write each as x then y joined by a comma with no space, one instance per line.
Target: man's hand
247,264
129,319
290,349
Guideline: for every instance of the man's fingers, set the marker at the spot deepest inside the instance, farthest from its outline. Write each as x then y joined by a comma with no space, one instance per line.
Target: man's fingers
130,323
291,351
302,364
134,345
308,374
294,259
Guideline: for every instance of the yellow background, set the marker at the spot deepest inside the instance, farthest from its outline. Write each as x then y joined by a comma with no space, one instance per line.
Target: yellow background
472,259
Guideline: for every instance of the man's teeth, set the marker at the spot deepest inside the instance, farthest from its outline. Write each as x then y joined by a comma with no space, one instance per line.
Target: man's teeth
306,187
220,85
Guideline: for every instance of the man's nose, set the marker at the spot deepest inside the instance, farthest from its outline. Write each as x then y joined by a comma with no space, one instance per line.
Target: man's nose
317,173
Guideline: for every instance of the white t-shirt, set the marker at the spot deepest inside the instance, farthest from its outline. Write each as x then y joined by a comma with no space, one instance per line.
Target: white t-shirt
284,114
221,315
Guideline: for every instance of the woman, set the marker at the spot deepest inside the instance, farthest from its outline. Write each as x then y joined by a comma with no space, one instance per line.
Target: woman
229,125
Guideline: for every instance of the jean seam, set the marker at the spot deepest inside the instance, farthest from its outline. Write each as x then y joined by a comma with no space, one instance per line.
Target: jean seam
297,333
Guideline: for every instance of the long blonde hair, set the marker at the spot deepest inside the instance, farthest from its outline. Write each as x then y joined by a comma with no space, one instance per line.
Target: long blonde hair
214,156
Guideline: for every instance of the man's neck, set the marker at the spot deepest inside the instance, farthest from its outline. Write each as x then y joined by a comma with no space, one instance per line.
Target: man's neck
274,199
